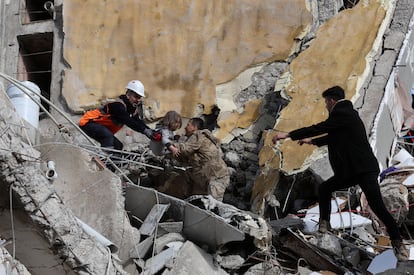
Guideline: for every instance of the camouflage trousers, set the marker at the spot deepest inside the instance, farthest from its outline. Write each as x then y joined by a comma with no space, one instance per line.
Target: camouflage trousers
217,187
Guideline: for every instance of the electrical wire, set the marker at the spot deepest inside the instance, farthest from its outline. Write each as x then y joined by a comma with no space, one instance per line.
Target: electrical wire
109,260
12,221
24,89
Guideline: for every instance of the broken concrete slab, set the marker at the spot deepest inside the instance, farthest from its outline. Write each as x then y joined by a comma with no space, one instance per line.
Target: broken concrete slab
9,265
250,223
171,227
292,222
199,226
191,259
315,257
327,243
384,261
140,250
162,241
22,174
93,195
151,220
156,263
230,261
265,268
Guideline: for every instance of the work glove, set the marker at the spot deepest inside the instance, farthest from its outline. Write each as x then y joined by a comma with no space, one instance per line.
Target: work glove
148,133
156,135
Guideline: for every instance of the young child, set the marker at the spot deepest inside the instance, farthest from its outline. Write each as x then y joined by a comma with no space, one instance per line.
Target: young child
161,143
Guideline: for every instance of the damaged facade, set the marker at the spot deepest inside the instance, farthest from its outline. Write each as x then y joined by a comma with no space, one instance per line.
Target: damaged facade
248,68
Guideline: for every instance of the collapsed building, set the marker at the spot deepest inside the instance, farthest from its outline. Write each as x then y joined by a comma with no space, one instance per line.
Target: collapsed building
63,212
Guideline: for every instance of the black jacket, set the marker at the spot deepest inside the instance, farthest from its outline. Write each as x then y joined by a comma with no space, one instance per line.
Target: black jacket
121,116
350,153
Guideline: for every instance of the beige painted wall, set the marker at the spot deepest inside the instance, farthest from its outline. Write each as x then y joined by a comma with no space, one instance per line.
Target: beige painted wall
179,49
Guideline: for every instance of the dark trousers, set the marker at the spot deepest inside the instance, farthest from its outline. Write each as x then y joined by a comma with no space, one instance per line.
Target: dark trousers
102,134
371,189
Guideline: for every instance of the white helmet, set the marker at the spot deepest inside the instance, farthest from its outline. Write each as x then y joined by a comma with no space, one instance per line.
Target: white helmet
136,86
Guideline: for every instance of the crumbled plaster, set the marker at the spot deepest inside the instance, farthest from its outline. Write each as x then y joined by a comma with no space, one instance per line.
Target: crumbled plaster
226,92
337,56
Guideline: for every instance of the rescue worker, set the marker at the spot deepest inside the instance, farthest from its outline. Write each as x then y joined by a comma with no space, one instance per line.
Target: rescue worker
102,124
201,151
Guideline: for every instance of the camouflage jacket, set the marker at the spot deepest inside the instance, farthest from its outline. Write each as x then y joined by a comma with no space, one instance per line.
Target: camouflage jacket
202,152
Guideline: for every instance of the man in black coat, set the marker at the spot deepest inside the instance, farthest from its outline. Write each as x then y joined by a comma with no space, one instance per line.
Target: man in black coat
351,158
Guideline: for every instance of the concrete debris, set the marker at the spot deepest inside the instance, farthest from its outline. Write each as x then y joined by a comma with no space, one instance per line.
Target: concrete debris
199,226
171,227
181,236
164,240
21,172
9,265
313,255
248,222
230,261
156,263
193,260
152,219
141,249
328,243
265,268
384,261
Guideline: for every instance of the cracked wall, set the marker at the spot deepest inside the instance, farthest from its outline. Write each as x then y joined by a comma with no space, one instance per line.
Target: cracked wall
341,54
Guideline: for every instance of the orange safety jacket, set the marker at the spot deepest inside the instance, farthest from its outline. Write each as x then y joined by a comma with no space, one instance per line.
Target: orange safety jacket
102,117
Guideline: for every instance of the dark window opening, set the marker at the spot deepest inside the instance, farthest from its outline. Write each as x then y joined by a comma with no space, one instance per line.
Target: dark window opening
37,10
35,61
349,4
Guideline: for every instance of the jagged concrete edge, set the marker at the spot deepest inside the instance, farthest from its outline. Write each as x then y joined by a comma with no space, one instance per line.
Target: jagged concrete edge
43,205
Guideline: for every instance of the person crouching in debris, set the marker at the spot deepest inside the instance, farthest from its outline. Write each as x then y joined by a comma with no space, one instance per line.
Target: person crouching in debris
102,124
163,137
201,151
351,159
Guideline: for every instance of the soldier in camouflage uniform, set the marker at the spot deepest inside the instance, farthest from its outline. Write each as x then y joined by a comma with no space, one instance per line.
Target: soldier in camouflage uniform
201,151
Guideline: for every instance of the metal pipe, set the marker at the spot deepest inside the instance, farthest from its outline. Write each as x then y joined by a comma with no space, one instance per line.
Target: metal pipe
51,171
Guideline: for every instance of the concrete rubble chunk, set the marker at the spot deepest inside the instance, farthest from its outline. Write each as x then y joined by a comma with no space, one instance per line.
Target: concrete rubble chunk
192,260
140,250
156,263
162,241
230,261
384,261
291,222
151,221
44,206
171,227
248,222
8,265
199,226
328,243
265,268
313,255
